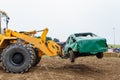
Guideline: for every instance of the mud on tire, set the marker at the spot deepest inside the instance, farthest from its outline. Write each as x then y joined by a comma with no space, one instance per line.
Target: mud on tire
17,58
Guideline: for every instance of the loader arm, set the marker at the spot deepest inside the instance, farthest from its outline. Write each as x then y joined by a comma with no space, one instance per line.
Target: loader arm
43,36
49,48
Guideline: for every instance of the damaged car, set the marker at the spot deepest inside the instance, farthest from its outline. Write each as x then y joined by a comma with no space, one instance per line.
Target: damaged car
84,44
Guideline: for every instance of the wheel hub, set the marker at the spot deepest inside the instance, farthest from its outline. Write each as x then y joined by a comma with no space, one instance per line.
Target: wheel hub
17,59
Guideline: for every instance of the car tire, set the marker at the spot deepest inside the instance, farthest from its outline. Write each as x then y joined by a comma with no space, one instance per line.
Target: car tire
71,56
99,55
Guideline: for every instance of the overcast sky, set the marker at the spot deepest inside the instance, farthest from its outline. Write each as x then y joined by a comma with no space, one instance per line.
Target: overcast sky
64,17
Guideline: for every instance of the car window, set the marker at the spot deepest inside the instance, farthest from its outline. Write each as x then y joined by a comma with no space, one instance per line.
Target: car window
85,35
68,40
73,39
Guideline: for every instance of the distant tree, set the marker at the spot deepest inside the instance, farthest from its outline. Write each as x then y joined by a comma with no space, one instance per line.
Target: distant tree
56,40
48,38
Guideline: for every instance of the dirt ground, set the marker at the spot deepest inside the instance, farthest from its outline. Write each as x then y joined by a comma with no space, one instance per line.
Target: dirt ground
84,68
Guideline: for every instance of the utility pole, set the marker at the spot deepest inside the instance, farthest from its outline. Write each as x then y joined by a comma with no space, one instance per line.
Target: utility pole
114,35
0,22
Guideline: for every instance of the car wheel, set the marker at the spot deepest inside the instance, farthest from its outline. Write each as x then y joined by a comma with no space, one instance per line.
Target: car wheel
72,56
99,55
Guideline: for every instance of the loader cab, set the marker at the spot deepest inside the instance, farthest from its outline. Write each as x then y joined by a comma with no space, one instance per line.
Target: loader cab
4,19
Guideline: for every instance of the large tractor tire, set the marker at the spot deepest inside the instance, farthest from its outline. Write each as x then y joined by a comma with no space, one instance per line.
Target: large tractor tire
37,59
17,58
34,56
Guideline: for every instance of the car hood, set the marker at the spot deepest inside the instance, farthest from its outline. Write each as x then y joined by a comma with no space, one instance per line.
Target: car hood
92,44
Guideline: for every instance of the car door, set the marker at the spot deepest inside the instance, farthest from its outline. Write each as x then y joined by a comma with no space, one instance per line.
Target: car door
67,46
73,43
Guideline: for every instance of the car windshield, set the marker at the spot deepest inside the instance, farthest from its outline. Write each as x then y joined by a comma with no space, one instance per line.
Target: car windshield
85,35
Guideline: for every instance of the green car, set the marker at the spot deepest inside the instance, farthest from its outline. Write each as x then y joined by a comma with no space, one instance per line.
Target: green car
84,44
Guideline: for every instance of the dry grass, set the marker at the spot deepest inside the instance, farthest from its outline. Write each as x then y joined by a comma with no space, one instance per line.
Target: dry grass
111,54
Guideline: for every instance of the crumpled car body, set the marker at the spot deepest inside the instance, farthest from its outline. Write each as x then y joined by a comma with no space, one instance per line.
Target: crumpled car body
85,44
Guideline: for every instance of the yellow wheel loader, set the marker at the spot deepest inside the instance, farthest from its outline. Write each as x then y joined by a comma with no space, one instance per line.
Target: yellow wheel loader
22,50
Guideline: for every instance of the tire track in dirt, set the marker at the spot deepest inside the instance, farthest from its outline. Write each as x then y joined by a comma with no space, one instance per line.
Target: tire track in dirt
85,68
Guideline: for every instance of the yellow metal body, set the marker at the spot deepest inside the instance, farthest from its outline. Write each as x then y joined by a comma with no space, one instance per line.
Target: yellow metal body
49,48
44,47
